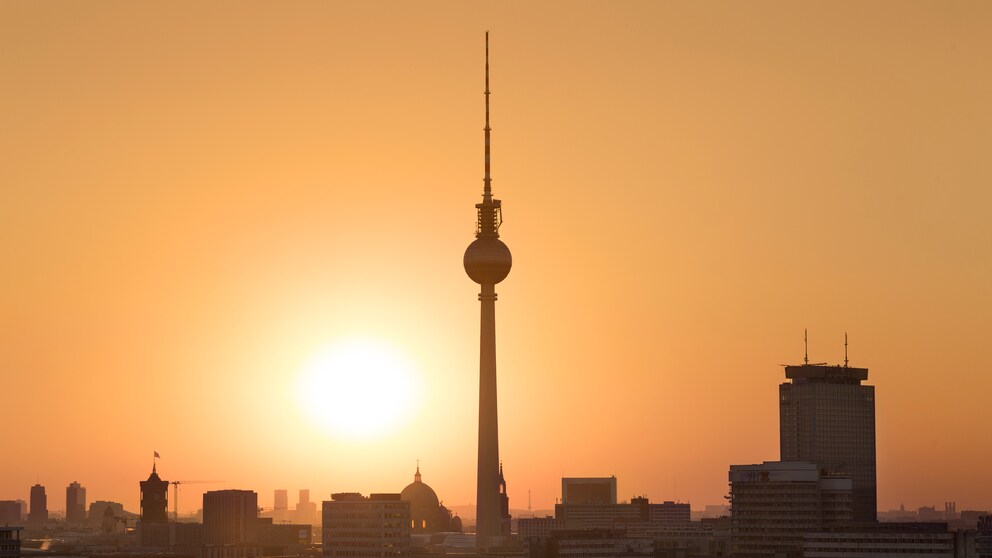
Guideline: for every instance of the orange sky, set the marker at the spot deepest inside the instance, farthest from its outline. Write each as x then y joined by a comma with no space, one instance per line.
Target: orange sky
196,196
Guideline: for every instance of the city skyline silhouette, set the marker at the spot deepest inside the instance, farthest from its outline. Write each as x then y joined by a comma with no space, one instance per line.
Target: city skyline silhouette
208,215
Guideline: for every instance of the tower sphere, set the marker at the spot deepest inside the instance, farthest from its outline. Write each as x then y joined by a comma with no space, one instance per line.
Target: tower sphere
487,260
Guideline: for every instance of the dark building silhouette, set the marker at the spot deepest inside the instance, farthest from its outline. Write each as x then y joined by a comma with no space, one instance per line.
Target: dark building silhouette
589,490
487,262
38,514
230,517
75,504
10,542
827,416
283,539
358,527
504,505
154,499
10,512
427,515
773,504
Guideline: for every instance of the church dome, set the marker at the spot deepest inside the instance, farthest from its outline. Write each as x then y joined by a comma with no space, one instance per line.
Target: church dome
424,505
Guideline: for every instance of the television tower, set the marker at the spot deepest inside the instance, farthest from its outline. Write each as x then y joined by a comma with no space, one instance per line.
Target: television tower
487,262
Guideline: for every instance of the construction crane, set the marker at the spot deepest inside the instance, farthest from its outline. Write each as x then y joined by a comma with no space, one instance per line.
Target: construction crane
175,494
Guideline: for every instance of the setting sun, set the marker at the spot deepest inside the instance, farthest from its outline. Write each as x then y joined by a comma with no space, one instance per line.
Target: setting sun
357,388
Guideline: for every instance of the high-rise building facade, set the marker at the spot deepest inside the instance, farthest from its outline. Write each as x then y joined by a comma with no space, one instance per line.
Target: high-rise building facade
827,416
75,504
38,513
230,517
358,527
773,504
487,261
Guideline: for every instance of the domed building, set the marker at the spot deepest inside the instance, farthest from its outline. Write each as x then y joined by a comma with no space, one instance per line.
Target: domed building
427,515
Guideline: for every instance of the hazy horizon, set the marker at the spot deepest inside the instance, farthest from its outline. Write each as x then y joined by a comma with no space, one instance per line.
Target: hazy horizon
202,199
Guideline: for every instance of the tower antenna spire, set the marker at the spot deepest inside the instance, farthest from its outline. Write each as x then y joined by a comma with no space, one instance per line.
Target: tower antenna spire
845,349
805,346
487,193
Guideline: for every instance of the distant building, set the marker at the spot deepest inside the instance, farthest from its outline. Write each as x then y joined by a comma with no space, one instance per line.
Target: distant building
669,514
537,527
10,542
230,517
284,539
427,515
883,540
589,490
827,417
592,543
154,499
97,509
773,504
281,500
984,539
306,511
10,513
358,527
184,536
153,528
39,506
75,504
637,516
705,538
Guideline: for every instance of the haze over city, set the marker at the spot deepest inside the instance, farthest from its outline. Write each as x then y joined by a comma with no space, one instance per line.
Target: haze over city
207,206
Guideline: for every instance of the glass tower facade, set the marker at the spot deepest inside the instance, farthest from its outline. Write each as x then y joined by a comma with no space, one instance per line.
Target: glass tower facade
827,416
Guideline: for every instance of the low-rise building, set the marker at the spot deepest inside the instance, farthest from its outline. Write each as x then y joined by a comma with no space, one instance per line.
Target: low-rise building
775,503
882,540
10,542
358,527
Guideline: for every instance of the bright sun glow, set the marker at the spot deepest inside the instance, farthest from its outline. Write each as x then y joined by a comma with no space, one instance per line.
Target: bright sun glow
357,388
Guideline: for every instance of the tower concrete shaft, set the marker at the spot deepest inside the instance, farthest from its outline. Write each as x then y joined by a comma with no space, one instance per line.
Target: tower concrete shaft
488,514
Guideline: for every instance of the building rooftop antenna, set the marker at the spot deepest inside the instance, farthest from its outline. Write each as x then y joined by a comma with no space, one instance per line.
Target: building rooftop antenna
806,346
845,349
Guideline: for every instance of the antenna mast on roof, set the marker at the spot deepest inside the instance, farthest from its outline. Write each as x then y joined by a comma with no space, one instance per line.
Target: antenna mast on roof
805,346
845,349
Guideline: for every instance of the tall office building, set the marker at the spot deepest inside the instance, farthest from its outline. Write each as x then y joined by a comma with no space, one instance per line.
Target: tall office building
39,505
358,527
75,503
230,517
827,416
487,262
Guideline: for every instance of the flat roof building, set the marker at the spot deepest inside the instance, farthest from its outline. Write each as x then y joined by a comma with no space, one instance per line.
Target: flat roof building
827,417
589,490
358,527
773,504
38,514
75,504
230,517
